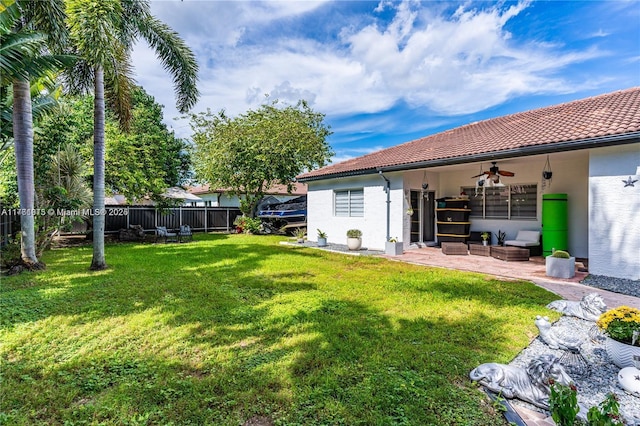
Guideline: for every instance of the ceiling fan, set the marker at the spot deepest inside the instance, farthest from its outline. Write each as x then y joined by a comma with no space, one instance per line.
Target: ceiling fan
494,171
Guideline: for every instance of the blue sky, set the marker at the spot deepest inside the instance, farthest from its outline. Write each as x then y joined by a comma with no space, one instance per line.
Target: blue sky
389,72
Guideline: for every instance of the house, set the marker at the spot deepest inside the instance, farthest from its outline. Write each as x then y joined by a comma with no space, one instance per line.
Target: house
221,198
591,146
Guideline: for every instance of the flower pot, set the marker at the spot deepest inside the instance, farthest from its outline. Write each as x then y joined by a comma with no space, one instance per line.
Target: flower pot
354,243
560,268
392,248
485,242
621,353
322,242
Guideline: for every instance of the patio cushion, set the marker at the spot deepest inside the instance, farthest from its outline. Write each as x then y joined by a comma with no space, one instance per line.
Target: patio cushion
525,239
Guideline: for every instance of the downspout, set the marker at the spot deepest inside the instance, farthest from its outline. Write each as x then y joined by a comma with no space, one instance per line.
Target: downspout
387,189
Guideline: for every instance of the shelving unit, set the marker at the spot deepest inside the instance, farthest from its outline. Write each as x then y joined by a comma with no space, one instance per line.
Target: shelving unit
453,220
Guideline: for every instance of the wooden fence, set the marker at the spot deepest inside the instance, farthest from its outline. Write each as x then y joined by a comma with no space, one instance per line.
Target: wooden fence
201,219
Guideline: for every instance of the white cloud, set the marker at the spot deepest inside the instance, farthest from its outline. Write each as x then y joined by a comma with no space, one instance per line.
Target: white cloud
455,63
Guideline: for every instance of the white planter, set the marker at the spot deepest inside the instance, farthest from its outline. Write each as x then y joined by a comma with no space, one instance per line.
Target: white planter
322,242
393,248
485,242
620,353
560,268
354,243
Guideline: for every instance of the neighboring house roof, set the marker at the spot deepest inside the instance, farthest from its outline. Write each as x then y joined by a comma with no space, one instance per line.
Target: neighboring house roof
609,119
180,194
298,189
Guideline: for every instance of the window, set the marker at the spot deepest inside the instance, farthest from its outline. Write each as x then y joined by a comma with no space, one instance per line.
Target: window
349,203
503,202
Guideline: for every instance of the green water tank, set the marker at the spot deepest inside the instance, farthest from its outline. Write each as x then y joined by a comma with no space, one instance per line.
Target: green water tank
555,223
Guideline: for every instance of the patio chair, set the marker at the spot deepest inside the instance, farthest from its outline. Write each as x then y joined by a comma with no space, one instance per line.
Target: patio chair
185,234
529,240
161,232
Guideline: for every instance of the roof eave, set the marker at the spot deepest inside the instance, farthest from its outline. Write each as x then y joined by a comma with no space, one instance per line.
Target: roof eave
597,142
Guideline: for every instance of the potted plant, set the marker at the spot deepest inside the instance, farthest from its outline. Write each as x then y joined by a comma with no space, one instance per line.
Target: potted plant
485,238
560,265
393,247
354,239
322,239
300,234
501,237
621,326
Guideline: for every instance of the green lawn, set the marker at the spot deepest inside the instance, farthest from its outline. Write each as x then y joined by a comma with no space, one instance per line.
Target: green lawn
230,327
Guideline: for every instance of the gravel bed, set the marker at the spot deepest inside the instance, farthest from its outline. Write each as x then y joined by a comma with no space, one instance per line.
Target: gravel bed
341,248
601,378
617,285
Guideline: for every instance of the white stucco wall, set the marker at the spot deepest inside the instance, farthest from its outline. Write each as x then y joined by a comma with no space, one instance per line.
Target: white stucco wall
614,234
373,225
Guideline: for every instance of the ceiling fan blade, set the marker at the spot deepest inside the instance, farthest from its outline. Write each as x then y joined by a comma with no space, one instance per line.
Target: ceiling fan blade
476,176
506,173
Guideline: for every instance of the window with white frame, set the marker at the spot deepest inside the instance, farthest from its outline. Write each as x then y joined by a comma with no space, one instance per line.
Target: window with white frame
503,202
348,203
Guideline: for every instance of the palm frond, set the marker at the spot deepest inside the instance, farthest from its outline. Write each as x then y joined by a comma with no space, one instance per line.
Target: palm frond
119,84
49,17
176,57
9,15
135,11
78,79
94,27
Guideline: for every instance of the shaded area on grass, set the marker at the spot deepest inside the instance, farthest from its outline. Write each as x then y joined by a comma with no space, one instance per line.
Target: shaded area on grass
225,329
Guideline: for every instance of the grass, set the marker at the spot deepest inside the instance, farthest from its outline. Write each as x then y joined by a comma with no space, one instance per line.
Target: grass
233,327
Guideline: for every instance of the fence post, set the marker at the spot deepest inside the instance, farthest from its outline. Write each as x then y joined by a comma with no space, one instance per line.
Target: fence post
205,219
180,215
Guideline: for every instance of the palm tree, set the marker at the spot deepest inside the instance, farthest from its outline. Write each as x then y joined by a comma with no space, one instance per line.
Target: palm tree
22,59
104,32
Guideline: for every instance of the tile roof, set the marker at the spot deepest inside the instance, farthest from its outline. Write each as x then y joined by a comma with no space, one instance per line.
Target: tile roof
605,117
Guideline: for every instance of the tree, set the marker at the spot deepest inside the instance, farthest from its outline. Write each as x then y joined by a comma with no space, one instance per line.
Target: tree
252,152
148,158
142,162
25,27
104,32
63,187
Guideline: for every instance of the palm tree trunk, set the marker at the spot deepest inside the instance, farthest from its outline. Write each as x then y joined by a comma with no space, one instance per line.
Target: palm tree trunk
98,262
23,140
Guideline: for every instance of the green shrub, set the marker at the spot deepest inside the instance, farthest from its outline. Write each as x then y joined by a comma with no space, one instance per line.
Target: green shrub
563,404
249,225
354,233
561,254
10,254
